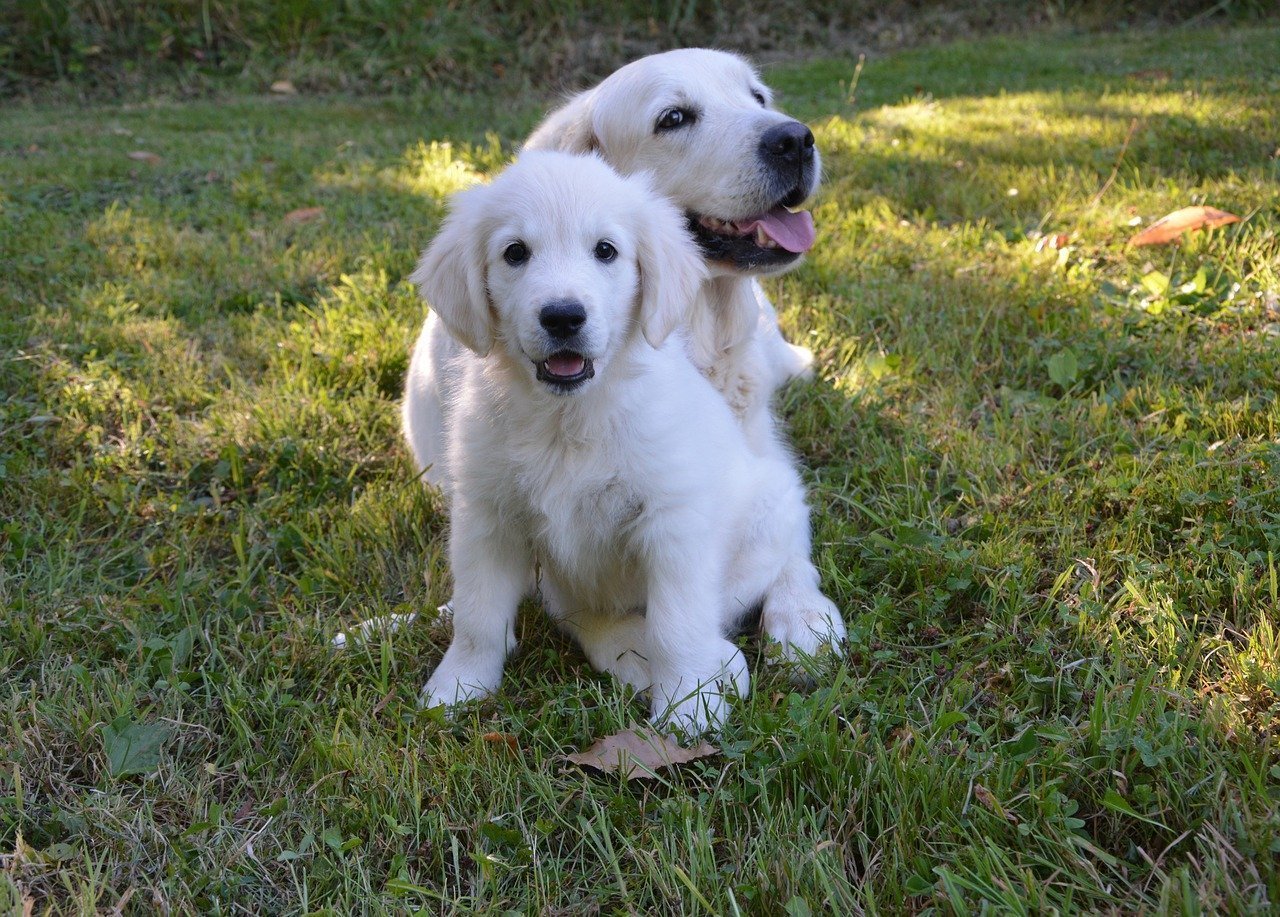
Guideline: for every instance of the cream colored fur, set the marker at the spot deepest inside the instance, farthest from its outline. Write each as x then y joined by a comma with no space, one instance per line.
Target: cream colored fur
655,524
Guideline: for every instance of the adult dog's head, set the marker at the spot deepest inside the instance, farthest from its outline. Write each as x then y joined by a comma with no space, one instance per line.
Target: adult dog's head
556,264
702,124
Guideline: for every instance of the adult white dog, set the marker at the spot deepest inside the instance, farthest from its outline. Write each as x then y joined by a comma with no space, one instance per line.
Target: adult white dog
582,437
701,125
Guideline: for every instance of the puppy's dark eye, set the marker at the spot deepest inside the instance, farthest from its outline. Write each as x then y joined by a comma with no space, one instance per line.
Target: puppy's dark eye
673,118
605,251
515,254
759,97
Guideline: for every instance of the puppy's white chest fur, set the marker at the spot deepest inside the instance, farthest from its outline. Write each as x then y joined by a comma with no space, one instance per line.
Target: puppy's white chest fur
580,502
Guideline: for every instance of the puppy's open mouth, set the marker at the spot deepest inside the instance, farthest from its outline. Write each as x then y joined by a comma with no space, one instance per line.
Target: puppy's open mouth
565,370
766,240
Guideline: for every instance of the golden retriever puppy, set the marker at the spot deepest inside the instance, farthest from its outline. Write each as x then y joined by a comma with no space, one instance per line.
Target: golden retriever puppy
580,436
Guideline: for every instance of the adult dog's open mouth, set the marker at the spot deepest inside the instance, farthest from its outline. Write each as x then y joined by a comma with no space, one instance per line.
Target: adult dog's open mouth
565,370
766,240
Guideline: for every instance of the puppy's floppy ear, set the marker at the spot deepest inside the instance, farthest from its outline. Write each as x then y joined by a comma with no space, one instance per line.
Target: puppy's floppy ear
568,129
671,269
451,273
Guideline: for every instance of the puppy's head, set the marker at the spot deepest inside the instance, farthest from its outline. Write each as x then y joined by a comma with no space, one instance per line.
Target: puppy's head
556,265
703,125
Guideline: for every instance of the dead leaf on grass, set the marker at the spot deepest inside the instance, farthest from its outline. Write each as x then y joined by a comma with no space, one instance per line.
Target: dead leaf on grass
146,156
1170,227
284,88
303,215
500,738
989,802
639,753
245,810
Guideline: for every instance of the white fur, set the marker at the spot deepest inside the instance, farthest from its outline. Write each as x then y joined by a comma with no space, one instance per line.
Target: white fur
730,329
712,168
733,332
655,525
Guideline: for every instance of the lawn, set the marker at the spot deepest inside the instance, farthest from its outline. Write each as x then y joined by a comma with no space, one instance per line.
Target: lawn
1044,466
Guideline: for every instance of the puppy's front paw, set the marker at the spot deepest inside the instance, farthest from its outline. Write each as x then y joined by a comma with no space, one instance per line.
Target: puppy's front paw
458,679
695,702
803,628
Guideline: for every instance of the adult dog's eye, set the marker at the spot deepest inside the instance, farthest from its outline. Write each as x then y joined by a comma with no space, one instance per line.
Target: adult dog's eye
605,251
759,96
673,118
515,254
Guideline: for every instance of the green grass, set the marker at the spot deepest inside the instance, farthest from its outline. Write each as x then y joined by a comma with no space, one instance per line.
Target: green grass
103,48
1046,491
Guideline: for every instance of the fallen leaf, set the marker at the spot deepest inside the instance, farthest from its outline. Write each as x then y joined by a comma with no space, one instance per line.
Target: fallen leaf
500,738
382,704
245,810
989,802
1170,227
284,88
145,156
303,215
638,753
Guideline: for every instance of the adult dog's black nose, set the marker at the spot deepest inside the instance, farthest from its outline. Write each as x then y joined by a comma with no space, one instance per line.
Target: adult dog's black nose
789,143
563,318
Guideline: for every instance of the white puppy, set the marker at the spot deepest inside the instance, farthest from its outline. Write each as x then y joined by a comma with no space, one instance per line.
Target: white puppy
580,437
700,123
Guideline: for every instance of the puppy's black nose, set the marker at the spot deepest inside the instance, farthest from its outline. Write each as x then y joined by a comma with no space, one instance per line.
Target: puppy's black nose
790,143
563,318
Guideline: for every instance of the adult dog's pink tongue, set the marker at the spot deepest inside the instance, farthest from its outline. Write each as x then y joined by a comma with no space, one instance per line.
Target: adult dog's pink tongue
793,231
565,364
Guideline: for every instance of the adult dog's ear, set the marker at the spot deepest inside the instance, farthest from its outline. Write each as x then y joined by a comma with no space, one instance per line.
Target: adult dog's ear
568,129
451,274
671,270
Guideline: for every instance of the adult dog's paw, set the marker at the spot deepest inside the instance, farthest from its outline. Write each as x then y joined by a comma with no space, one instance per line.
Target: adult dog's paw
695,702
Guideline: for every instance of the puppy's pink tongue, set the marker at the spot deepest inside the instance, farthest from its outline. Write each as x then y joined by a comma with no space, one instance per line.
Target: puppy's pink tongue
793,231
565,364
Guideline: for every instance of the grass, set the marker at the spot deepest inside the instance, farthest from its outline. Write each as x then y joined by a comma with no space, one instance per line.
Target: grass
1044,468
108,48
